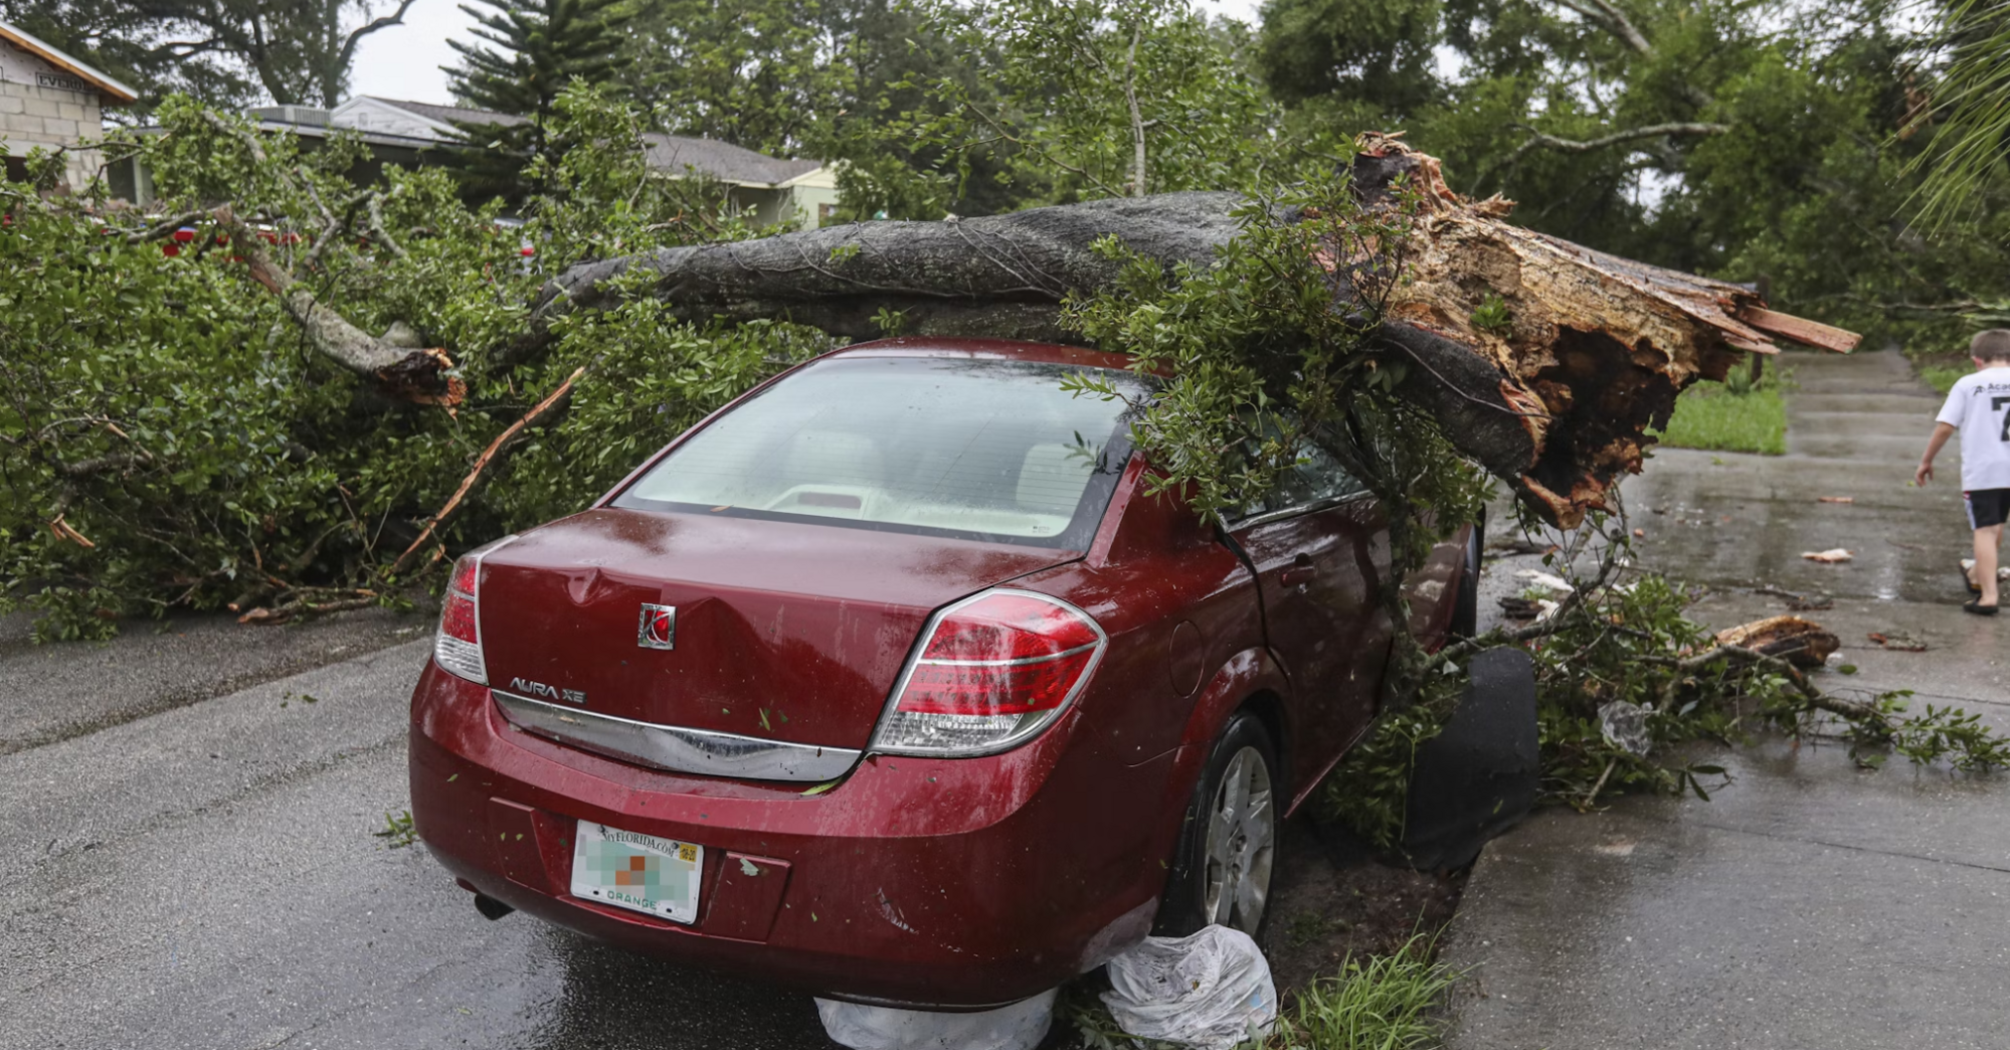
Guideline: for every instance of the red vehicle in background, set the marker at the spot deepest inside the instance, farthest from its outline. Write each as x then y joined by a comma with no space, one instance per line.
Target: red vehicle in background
889,682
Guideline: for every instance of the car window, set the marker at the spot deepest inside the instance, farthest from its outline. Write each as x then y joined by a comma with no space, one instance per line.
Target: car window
962,446
1318,475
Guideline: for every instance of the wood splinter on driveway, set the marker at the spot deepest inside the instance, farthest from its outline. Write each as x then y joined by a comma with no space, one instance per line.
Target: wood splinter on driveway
1803,643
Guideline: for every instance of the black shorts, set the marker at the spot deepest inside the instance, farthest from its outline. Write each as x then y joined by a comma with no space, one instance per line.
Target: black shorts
1987,507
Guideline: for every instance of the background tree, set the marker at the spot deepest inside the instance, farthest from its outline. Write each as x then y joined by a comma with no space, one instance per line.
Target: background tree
1973,105
1050,101
761,74
1742,140
529,52
261,445
293,52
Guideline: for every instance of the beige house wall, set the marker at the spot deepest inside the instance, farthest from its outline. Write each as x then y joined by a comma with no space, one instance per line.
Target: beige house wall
801,203
798,206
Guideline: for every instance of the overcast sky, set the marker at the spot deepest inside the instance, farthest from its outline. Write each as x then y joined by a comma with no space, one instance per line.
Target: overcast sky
404,61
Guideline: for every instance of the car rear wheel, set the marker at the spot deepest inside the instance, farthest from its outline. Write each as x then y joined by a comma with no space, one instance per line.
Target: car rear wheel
1228,843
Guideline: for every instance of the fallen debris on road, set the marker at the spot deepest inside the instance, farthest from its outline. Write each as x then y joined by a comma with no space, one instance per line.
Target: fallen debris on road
1800,642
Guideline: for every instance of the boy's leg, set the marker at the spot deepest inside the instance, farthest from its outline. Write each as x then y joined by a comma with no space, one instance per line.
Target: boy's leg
1986,539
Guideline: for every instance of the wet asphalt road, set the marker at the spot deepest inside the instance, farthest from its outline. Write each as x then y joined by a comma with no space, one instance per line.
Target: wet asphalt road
187,861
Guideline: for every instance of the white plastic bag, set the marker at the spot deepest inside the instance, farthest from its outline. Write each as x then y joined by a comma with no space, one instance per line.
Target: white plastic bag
1020,1026
1211,989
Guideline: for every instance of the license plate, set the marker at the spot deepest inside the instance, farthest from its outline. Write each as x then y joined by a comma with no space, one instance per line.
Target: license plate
639,872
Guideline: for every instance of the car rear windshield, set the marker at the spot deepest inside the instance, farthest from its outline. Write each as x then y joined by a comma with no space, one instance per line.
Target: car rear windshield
976,447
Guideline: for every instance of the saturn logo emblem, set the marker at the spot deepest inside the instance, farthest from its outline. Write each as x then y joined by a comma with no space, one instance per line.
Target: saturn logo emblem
659,627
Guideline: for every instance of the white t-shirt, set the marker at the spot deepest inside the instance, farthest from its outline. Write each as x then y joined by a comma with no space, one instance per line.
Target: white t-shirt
1979,404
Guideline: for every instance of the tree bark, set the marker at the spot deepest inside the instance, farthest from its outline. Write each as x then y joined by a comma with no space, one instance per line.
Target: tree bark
1558,403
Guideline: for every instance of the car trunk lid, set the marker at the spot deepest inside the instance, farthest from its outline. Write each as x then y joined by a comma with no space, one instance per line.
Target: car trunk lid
783,630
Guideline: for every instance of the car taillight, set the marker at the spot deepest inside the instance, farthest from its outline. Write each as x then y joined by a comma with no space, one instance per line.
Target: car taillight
991,671
458,646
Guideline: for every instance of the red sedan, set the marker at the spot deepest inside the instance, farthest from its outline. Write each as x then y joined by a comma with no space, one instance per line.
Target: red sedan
888,681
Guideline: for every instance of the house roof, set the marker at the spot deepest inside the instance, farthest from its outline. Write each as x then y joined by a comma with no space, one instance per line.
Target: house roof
106,86
451,115
722,160
667,153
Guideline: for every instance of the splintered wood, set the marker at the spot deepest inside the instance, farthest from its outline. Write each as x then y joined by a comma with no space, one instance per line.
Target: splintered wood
1595,347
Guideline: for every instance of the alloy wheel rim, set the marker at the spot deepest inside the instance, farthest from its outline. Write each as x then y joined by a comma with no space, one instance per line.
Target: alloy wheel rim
1241,841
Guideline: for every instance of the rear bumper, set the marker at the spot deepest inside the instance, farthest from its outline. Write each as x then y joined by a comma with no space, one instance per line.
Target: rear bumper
961,883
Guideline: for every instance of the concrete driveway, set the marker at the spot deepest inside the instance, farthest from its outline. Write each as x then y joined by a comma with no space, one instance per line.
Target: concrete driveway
1810,904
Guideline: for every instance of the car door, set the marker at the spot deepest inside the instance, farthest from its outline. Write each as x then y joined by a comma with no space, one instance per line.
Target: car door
1320,550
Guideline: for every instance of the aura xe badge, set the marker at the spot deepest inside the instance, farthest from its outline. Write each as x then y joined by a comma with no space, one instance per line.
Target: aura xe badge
658,629
570,696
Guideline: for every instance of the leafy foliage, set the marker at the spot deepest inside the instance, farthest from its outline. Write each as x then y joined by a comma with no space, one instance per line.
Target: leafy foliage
1747,141
1056,101
764,74
1260,362
1368,792
1966,170
1627,647
529,52
167,437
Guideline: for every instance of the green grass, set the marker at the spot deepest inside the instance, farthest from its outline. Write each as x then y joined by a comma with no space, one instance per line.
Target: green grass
1385,1003
398,830
1943,379
1712,416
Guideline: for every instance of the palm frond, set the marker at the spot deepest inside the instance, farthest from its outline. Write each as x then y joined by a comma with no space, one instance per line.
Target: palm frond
1974,104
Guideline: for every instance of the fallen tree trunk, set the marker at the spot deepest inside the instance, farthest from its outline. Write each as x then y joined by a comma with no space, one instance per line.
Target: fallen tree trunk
1557,401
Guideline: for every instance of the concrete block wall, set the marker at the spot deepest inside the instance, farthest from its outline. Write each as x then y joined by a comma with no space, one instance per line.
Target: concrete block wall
33,115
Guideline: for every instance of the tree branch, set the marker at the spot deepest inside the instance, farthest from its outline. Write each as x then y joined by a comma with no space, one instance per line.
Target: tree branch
166,226
83,468
1542,140
377,230
1613,19
1043,151
411,375
348,52
1137,116
482,463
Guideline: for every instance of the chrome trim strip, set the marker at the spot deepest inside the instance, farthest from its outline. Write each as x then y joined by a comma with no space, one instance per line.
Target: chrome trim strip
673,748
1016,662
1299,510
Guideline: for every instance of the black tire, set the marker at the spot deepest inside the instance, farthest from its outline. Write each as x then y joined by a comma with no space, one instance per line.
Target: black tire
1466,610
1185,906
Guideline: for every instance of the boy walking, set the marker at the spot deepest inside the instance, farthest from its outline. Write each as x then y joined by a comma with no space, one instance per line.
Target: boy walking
1979,407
